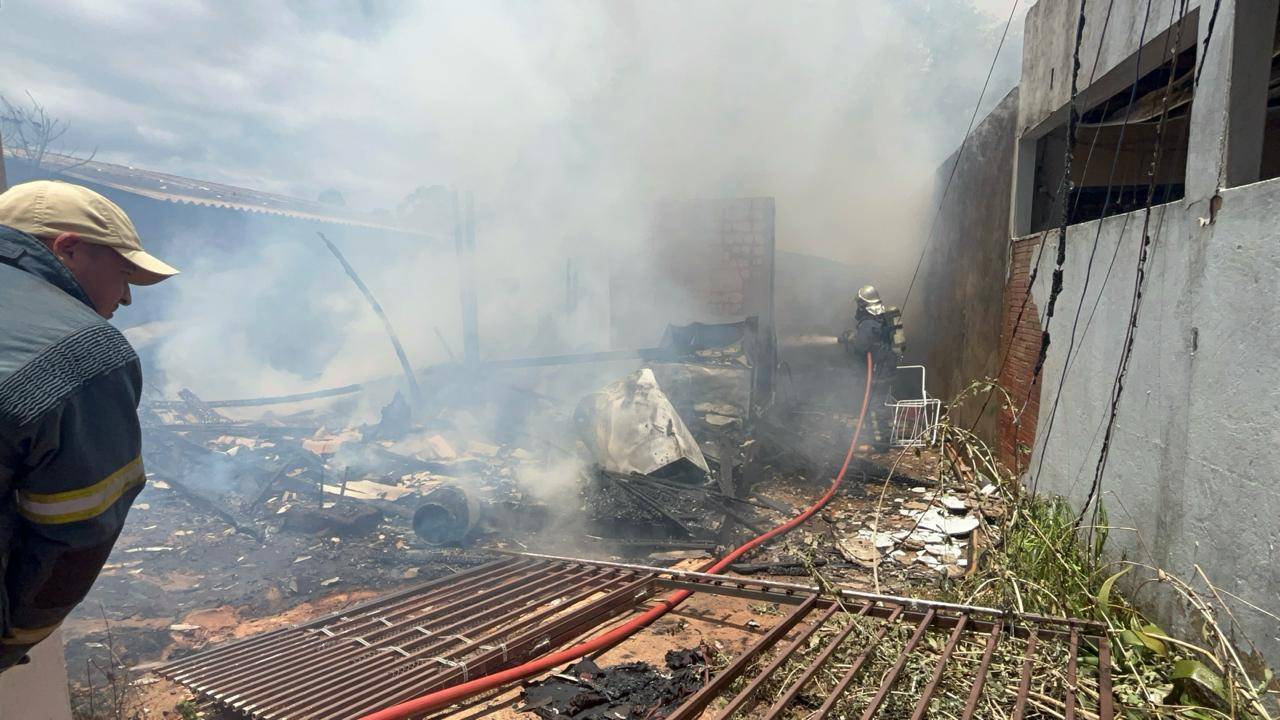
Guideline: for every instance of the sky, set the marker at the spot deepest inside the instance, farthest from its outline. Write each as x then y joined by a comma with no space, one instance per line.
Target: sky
645,99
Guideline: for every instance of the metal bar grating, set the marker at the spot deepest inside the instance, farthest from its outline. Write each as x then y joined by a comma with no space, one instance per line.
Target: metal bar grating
851,659
848,655
435,635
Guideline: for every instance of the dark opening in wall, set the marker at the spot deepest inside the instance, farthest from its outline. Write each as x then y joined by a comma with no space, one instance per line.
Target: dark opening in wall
1271,135
1117,134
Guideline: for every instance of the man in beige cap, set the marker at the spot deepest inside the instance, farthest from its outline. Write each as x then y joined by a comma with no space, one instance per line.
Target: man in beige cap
70,443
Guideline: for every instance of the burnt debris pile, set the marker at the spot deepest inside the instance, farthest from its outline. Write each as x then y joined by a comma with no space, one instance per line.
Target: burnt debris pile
629,691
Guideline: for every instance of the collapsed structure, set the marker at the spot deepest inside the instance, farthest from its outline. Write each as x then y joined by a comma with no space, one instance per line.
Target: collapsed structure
457,537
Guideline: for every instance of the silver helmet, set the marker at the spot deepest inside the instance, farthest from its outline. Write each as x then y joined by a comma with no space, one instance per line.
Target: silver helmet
869,300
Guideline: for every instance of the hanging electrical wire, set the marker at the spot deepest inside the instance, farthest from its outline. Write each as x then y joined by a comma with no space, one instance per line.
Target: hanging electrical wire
1135,305
1088,273
1204,51
959,155
1064,190
1035,266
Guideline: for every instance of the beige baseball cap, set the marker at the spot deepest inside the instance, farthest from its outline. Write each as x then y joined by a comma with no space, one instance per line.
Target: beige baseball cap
48,208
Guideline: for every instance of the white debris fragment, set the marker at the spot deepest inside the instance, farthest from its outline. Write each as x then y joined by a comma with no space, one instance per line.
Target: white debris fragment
945,553
948,525
330,581
954,504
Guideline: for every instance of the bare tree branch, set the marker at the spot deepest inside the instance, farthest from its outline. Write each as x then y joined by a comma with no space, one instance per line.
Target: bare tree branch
31,133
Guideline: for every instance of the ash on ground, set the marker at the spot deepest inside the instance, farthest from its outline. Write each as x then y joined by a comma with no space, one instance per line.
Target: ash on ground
630,691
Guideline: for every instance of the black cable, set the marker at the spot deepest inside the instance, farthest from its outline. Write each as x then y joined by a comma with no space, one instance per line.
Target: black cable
959,155
1064,190
1204,52
1098,301
1035,268
1093,72
1106,202
1140,276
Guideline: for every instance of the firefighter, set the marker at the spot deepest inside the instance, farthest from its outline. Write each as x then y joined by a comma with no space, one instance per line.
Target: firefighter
877,329
70,443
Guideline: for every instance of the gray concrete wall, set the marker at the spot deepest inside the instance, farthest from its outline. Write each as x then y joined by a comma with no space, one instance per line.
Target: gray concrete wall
37,690
1193,463
1049,33
953,320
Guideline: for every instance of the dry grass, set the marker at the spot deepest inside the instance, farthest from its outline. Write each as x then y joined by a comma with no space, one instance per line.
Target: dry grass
1039,559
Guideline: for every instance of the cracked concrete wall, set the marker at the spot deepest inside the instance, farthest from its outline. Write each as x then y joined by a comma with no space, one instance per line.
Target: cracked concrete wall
1193,456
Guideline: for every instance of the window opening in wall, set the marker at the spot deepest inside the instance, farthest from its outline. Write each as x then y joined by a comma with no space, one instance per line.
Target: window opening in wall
1271,135
1114,128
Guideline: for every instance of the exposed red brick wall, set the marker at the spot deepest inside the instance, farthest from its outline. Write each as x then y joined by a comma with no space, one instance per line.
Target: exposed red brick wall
1022,348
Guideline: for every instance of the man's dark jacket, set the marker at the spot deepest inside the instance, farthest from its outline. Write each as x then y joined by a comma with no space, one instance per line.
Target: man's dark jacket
70,445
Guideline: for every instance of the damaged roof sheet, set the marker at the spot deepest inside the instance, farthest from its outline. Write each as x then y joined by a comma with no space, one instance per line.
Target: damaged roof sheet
176,189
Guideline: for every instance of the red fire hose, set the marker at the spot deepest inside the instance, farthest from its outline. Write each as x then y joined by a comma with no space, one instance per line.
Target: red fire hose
450,695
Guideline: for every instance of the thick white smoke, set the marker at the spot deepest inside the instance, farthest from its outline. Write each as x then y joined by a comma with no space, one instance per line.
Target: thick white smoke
567,120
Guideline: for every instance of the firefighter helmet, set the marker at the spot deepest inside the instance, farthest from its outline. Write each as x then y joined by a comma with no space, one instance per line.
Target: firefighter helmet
869,300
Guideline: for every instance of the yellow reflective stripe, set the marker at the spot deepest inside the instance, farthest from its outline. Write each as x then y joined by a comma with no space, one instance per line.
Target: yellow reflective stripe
24,636
82,504
84,491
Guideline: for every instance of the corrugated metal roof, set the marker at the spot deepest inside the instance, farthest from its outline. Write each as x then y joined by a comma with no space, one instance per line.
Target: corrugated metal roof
172,188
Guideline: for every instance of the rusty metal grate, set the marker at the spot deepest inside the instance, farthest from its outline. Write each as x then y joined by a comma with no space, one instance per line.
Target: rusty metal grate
851,654
848,654
403,645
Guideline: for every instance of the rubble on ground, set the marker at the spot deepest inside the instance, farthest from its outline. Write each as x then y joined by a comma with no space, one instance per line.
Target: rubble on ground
629,691
244,519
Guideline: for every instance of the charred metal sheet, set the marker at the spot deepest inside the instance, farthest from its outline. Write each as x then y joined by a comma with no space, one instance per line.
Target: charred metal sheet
631,427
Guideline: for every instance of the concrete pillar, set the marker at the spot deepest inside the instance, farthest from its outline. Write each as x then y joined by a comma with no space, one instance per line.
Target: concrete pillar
1024,187
37,690
1228,116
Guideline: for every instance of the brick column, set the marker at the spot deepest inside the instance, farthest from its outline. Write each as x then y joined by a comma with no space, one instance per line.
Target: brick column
1019,346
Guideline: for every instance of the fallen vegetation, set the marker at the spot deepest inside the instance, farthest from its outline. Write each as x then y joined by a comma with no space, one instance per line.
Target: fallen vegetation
1039,558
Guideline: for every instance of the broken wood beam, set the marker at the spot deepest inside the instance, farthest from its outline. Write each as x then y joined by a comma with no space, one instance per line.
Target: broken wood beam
415,392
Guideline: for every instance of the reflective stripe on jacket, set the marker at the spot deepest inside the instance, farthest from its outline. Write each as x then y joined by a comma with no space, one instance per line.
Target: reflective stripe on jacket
70,445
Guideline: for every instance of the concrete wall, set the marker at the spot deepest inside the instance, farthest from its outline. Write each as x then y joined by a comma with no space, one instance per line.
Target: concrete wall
1192,462
953,320
1050,31
37,690
1197,441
